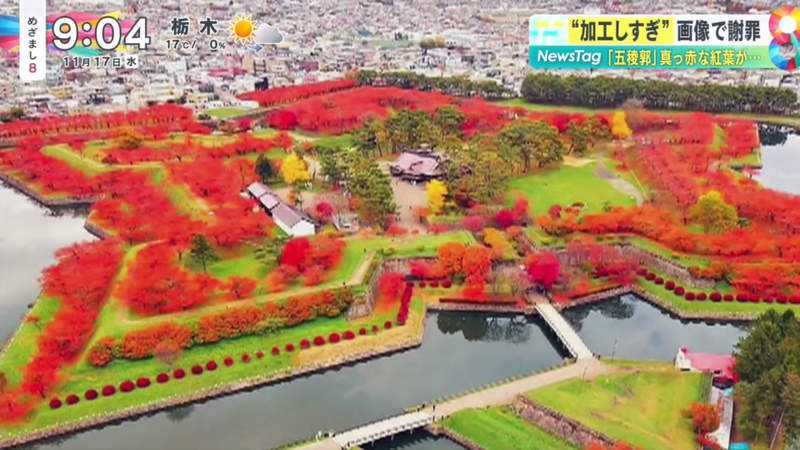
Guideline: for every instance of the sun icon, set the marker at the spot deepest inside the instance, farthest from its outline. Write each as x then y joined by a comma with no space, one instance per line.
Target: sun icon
243,29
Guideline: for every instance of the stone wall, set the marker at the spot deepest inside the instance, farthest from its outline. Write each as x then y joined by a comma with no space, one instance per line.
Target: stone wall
42,199
363,309
665,265
557,424
648,259
438,430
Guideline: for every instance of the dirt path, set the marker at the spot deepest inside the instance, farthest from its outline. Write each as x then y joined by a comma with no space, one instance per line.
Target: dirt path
408,198
505,393
618,183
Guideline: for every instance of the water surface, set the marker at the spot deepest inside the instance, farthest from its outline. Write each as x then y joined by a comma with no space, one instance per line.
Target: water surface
780,157
628,327
29,235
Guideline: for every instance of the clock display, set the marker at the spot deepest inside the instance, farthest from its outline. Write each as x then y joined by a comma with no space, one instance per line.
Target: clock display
107,33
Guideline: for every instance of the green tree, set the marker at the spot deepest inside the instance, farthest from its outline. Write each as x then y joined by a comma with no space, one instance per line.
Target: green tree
363,179
449,119
713,213
269,252
16,112
366,137
201,252
580,137
768,364
475,170
407,129
264,169
529,142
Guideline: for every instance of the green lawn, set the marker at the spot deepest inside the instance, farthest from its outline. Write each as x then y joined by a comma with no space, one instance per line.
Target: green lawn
641,407
88,166
25,340
498,428
225,113
519,102
401,246
342,140
564,186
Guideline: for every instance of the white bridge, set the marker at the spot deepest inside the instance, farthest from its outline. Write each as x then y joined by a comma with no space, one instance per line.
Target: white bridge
383,428
564,331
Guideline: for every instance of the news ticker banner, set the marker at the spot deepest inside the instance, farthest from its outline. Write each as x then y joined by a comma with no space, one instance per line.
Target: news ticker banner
713,41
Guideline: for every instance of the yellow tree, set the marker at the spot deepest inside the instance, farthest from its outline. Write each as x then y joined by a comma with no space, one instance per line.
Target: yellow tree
619,126
294,170
128,138
436,191
713,213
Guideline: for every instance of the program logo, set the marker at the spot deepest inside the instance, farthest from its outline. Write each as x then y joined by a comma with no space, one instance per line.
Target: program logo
783,26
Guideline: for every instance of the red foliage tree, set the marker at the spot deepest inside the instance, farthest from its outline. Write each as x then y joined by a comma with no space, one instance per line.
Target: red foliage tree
543,268
505,218
156,284
240,287
477,261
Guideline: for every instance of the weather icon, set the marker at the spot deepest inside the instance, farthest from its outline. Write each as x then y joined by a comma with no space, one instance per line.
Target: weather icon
243,29
268,34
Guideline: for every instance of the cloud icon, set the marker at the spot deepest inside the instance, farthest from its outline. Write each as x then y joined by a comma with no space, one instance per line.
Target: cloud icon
268,34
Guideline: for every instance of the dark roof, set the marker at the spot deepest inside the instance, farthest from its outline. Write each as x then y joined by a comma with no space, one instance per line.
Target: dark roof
417,164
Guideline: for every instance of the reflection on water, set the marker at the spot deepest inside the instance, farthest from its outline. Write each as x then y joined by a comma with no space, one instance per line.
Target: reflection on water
477,327
630,328
780,157
417,440
461,351
29,234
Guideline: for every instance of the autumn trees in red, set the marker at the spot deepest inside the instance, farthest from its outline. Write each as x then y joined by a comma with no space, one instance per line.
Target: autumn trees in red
287,94
80,279
56,125
156,283
543,268
311,257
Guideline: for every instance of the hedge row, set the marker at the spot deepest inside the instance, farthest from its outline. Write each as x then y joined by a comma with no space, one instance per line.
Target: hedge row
715,296
178,374
435,283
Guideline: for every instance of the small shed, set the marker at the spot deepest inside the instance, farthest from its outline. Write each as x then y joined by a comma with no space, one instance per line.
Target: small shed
293,222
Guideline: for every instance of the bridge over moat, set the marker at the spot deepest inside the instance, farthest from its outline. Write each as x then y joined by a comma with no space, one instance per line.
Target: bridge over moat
586,365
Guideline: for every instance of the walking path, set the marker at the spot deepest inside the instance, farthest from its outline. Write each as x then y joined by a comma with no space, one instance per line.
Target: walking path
564,331
498,395
618,183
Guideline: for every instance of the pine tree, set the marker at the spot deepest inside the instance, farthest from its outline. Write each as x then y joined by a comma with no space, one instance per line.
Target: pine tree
202,252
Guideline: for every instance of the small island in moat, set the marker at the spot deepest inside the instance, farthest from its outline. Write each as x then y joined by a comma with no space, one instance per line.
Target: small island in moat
235,252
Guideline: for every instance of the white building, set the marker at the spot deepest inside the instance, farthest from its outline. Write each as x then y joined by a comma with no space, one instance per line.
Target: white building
291,221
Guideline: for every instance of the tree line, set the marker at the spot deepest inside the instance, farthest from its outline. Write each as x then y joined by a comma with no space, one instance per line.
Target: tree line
610,92
457,86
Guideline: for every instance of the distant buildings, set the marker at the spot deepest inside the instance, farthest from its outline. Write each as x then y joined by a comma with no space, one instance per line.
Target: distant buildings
291,221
